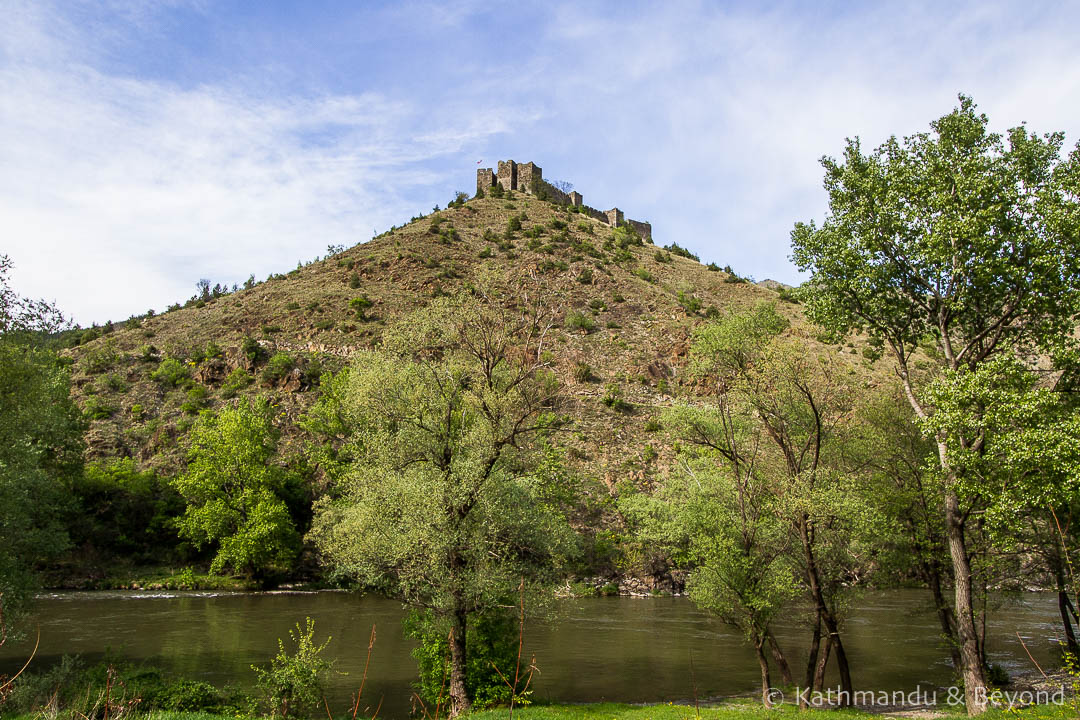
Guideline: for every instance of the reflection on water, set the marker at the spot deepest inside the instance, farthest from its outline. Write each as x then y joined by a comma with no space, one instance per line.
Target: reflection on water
619,649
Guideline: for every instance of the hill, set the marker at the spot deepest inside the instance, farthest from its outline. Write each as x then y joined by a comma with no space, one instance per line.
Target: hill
625,312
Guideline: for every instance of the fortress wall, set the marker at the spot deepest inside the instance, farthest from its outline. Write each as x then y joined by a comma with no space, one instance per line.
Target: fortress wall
643,229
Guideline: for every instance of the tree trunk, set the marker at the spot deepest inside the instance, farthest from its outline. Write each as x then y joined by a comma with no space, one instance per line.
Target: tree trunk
459,697
975,695
944,612
781,661
832,627
1071,645
812,656
819,672
763,663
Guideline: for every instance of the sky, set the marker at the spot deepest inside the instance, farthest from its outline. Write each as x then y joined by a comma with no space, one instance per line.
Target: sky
147,144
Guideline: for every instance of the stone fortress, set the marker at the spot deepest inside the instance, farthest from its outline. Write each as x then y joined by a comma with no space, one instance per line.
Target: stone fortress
529,178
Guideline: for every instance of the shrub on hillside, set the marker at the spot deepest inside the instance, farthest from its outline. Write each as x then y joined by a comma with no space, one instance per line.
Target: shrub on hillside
577,320
278,368
252,350
238,380
172,373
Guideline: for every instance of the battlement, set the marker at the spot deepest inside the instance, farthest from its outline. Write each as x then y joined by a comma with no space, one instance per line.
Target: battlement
529,178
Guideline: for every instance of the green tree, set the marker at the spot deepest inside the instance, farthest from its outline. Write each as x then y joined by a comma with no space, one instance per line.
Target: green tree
40,444
795,406
960,243
235,491
441,505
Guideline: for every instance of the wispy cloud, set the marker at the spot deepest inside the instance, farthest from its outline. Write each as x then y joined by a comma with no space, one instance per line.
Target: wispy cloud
122,182
117,194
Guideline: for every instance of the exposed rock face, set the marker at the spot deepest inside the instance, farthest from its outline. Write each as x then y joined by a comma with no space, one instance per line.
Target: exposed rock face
211,372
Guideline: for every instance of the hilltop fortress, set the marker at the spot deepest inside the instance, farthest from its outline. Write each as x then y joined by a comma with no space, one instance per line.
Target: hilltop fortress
529,178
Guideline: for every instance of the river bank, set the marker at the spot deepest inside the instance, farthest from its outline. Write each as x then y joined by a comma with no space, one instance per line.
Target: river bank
669,711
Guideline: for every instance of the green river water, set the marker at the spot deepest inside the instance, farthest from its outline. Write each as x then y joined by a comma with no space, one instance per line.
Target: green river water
616,649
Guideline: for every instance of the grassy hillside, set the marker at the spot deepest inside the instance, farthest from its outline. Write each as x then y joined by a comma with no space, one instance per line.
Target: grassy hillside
625,312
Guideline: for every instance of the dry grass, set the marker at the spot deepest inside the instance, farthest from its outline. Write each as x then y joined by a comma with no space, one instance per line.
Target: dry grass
639,342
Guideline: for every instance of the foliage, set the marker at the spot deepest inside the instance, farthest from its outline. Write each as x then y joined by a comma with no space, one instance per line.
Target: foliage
237,381
71,689
172,373
613,398
674,249
251,349
492,643
197,399
40,445
439,504
278,368
124,511
577,320
235,491
293,684
960,245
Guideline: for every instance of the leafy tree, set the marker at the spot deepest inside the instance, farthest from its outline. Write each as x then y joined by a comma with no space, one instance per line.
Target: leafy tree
235,492
40,444
961,243
791,408
440,505
721,519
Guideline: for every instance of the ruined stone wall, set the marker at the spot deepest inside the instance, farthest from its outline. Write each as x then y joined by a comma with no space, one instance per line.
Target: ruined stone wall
485,179
529,177
643,229
527,174
594,213
554,194
507,176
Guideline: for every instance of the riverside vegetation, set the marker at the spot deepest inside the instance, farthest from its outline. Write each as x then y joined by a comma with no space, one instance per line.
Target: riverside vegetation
507,395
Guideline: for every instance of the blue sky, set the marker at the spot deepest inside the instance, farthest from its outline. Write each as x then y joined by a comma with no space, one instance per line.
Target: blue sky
145,145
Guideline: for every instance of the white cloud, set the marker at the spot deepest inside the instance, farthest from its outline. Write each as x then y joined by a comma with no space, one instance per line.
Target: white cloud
118,194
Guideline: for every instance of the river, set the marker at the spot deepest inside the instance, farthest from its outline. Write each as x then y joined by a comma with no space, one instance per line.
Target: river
616,648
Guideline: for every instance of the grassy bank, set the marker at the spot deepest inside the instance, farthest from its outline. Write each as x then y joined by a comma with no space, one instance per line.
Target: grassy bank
734,711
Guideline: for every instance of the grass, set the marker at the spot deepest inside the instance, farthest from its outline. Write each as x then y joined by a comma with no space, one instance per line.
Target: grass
746,710
643,326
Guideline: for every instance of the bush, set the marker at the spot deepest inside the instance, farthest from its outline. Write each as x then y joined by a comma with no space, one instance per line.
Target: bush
115,383
713,267
644,275
613,398
492,642
580,321
101,358
583,372
652,425
294,682
486,253
197,399
513,224
278,368
360,306
148,353
681,251
238,380
661,257
252,350
172,373
690,302
213,350
597,305
98,409
585,277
